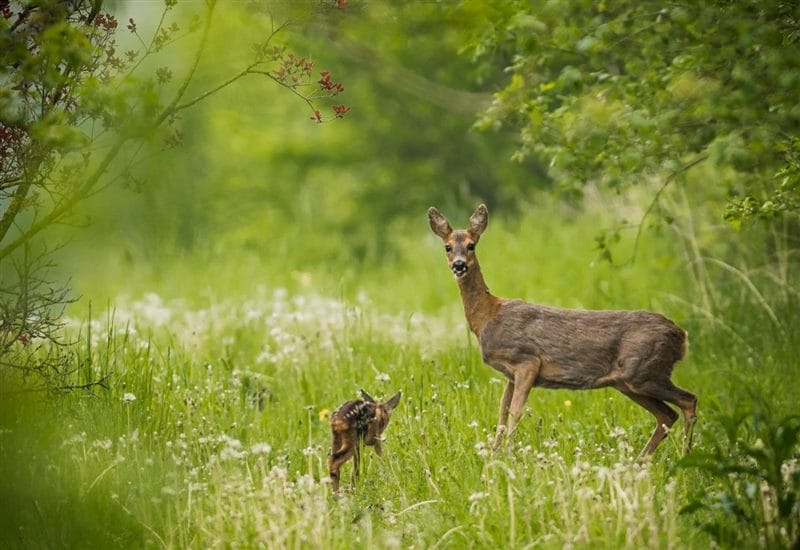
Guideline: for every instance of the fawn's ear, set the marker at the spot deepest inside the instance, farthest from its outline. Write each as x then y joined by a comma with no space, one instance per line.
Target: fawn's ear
439,223
393,401
367,397
478,221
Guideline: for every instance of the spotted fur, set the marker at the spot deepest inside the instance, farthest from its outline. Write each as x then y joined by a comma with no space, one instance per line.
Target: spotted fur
356,414
357,422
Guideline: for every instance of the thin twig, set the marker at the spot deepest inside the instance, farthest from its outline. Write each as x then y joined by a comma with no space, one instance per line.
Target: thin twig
653,203
752,288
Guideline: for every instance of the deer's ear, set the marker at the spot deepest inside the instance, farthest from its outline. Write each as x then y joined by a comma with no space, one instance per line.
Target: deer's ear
478,221
439,223
367,397
393,401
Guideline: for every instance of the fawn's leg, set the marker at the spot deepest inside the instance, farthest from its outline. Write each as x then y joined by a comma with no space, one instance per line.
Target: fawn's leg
335,461
336,443
502,423
356,463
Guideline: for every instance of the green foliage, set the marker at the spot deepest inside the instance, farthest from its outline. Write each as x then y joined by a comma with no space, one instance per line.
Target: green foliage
619,93
785,197
754,495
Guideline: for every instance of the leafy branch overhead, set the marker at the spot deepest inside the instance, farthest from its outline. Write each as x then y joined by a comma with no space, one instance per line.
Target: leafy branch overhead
619,93
71,89
77,99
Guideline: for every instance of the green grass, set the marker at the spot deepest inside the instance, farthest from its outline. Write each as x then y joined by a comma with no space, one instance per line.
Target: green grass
213,430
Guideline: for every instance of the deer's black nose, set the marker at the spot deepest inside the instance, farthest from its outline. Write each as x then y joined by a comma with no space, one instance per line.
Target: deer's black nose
459,267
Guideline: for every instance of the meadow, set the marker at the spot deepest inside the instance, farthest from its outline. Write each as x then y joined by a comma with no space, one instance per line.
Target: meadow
210,426
234,269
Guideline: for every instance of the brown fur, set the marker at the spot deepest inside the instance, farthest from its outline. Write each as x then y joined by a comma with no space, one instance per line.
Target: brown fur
533,345
355,423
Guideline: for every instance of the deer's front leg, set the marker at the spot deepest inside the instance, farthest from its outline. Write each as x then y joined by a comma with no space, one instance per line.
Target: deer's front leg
502,423
356,464
524,378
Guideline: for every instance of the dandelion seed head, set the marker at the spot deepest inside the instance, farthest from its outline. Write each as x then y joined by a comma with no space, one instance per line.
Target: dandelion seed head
475,497
482,449
261,449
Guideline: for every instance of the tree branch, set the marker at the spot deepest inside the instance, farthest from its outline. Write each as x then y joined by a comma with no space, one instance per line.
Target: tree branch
61,209
213,90
170,109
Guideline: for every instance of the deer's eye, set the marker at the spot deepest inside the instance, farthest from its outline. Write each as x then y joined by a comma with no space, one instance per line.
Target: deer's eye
471,247
448,248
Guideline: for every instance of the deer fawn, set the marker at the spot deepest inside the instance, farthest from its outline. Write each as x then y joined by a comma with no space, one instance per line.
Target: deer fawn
533,345
354,423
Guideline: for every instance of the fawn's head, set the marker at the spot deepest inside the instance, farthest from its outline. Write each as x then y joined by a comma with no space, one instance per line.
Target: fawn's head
383,412
460,244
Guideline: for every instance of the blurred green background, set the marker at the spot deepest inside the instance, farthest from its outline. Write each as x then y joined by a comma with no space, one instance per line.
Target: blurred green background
258,186
259,197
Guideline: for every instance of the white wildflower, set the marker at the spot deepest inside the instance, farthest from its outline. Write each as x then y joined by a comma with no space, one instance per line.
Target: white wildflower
102,444
474,497
231,453
128,397
261,449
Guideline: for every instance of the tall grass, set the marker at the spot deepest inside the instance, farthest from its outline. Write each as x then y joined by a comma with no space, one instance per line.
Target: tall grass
213,428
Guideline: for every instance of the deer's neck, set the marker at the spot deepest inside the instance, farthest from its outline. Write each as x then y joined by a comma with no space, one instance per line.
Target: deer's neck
479,304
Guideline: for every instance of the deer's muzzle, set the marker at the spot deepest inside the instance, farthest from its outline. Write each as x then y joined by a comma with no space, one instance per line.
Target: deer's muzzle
459,268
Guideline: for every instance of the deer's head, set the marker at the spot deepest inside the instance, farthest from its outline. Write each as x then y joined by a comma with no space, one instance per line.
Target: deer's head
383,412
460,244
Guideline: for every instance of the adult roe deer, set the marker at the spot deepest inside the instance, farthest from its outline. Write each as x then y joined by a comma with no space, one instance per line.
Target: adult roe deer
534,345
356,422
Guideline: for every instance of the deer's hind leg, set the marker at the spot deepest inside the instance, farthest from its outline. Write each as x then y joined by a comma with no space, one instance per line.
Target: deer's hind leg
665,390
665,418
341,451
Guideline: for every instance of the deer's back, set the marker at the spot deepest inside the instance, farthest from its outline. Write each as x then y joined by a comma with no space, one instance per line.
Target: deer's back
580,348
353,415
